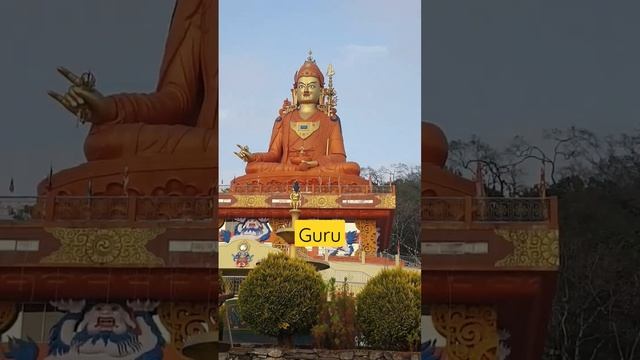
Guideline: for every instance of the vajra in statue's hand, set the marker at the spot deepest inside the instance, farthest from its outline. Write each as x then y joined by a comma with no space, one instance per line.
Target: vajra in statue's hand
83,100
244,153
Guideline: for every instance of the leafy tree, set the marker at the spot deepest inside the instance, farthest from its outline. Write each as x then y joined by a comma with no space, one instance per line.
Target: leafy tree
337,327
280,297
388,310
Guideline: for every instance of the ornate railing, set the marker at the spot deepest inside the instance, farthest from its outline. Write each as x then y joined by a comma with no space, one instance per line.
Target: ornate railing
175,208
307,188
468,209
90,208
443,209
107,208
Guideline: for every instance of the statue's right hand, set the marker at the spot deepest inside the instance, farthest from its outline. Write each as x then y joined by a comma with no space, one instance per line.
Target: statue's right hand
244,153
84,101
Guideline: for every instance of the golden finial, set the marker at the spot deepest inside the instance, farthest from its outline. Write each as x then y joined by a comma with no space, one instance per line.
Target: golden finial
330,93
295,196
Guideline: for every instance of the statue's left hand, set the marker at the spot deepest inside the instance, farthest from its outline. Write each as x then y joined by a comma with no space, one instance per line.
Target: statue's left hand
83,100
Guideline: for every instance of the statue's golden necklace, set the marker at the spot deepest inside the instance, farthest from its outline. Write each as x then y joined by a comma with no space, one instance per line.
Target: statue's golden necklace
304,129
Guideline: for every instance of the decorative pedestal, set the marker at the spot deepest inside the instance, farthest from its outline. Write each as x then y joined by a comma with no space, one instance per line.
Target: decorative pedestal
56,273
371,208
161,175
310,181
483,271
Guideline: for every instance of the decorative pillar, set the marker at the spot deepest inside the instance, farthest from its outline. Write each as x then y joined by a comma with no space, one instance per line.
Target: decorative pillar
185,320
471,331
295,215
295,198
368,236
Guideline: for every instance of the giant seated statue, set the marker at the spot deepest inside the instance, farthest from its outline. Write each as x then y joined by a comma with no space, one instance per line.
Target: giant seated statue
162,143
306,143
436,180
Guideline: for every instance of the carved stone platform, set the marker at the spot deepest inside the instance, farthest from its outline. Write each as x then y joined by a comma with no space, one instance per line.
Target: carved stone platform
488,264
159,175
283,182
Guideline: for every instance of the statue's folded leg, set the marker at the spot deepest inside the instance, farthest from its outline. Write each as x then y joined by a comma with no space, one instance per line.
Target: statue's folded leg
349,168
258,167
126,140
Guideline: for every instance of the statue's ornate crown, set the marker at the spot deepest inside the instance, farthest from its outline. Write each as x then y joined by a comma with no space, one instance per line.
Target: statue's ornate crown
309,68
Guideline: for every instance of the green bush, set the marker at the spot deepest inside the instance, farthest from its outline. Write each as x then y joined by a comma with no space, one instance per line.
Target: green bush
337,327
388,310
280,297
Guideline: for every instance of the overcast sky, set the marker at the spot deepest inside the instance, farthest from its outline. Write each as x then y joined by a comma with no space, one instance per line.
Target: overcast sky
374,46
497,68
494,68
120,41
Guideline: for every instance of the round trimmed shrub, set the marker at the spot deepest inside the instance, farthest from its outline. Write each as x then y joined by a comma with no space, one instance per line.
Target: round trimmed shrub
388,310
280,297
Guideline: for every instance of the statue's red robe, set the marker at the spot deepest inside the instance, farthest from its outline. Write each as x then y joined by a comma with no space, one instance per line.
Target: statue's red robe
181,116
287,149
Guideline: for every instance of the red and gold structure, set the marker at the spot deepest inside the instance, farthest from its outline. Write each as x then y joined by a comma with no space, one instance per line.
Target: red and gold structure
111,250
489,265
370,207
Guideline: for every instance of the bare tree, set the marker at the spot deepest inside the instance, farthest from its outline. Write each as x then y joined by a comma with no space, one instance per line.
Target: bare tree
406,223
596,312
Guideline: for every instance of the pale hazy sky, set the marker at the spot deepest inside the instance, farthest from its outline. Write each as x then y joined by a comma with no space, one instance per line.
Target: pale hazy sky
120,41
374,46
493,68
497,68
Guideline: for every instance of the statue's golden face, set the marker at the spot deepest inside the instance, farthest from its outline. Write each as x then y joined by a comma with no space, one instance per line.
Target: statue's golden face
308,90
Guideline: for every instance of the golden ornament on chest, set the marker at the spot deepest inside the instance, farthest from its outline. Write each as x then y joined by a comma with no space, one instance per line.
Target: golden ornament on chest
304,129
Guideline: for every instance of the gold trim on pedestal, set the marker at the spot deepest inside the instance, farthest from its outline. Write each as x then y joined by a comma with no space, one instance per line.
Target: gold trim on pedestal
471,331
112,246
368,236
531,248
326,201
321,202
387,201
251,201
